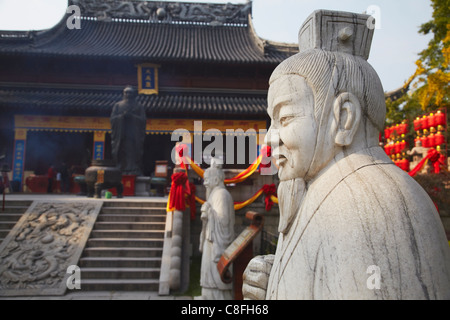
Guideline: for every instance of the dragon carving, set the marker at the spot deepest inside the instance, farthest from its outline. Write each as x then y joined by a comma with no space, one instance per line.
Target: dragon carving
215,14
43,244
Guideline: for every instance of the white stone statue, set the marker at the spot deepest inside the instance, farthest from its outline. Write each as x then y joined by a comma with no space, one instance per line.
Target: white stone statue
217,233
352,224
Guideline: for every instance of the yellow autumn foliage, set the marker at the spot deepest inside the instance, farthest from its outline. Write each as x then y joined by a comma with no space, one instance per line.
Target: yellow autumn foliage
435,88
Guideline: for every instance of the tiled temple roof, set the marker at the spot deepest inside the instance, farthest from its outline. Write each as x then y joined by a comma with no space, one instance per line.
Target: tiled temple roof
156,31
100,102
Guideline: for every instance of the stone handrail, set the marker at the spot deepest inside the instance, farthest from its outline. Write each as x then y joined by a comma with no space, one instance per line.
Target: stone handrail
170,276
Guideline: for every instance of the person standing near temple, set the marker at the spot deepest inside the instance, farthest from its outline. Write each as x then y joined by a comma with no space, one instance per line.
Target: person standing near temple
51,175
65,178
128,122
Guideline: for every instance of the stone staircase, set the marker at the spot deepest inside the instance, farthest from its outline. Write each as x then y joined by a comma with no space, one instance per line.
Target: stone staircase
14,209
124,249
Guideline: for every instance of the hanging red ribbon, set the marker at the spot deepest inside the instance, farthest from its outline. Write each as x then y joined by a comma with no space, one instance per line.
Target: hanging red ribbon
269,191
178,190
266,152
181,150
434,157
270,198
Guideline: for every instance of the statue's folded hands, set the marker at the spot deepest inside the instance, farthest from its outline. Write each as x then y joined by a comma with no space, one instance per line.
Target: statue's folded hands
256,277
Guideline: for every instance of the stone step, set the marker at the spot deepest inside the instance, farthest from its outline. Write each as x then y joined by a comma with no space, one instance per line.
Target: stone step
141,204
133,210
120,273
13,209
129,242
129,226
119,262
4,233
131,218
125,234
7,225
124,250
21,203
10,216
130,252
119,285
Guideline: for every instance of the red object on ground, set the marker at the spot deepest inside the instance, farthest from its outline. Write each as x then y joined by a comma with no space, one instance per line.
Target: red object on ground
129,183
37,184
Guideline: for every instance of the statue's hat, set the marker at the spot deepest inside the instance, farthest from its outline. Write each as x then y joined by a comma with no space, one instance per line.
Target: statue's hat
337,31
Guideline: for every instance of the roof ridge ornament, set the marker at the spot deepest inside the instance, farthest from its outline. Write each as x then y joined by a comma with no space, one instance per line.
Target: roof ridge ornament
175,12
337,31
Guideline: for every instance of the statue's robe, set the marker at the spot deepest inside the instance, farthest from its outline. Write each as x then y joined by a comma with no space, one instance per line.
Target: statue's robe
363,211
216,236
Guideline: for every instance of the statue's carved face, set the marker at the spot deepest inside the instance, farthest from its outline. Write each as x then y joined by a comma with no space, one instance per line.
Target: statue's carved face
210,180
293,130
129,93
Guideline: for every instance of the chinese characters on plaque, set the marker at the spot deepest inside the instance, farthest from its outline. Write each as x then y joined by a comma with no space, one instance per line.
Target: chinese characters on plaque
148,78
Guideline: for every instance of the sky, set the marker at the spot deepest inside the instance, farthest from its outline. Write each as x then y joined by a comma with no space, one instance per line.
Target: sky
395,46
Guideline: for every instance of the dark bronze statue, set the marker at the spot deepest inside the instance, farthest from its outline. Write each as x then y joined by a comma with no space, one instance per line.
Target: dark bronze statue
128,123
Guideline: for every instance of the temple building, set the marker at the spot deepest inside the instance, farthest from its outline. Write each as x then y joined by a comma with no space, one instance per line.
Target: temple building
189,61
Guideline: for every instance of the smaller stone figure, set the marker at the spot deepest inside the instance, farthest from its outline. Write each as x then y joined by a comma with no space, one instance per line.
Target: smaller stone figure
418,152
217,233
128,123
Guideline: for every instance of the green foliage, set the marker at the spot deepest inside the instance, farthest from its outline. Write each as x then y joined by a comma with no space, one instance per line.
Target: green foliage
433,55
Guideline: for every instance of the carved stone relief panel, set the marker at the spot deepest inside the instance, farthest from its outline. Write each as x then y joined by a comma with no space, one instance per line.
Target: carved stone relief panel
47,239
214,14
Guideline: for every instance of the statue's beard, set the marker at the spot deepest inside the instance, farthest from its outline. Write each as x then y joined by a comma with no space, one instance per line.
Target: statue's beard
290,197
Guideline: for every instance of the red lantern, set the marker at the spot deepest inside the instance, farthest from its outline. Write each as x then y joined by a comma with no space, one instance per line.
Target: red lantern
431,142
404,164
403,145
417,124
397,147
431,120
440,118
439,139
403,127
388,149
424,122
424,142
387,133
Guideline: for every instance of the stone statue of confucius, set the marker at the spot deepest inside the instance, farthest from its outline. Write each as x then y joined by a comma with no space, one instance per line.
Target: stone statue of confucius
352,224
128,123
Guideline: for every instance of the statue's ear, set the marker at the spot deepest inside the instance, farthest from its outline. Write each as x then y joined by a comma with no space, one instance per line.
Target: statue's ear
347,113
